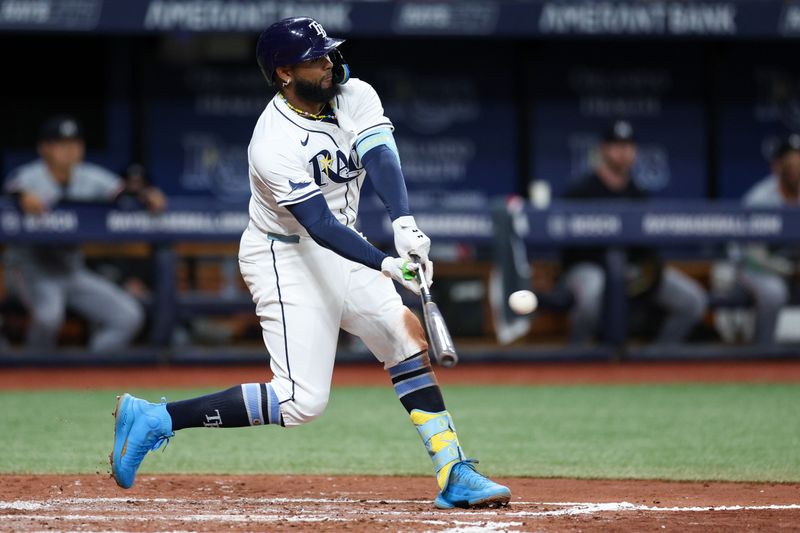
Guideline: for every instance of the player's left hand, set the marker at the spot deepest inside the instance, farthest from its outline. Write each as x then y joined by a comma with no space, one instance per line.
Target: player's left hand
402,271
410,241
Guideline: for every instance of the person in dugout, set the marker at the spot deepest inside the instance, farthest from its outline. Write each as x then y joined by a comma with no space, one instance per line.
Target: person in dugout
50,278
682,299
765,272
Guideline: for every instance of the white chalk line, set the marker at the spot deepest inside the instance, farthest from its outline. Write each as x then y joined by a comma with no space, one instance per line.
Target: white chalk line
331,512
78,503
337,506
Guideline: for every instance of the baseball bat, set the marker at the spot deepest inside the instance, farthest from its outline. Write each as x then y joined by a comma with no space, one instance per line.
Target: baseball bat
441,343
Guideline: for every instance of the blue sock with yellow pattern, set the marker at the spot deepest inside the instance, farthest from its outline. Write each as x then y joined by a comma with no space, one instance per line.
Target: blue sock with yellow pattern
419,392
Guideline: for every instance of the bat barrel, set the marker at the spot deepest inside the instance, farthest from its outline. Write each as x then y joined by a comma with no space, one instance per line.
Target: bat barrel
442,347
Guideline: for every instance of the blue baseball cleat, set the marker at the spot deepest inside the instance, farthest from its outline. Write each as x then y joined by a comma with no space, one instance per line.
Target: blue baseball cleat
139,427
469,489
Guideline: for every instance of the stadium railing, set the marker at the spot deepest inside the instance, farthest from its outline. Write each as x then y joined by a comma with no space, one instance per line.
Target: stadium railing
662,224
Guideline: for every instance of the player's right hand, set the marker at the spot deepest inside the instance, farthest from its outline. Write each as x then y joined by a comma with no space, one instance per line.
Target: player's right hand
412,244
402,271
31,204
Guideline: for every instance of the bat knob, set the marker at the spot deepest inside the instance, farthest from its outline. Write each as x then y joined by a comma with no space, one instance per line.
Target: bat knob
447,362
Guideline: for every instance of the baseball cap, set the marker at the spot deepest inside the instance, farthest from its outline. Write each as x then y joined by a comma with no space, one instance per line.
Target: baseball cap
59,128
619,131
789,143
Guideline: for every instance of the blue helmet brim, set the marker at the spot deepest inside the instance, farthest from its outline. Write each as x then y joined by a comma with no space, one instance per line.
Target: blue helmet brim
330,44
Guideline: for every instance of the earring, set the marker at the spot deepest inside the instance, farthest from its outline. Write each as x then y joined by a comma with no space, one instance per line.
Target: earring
287,82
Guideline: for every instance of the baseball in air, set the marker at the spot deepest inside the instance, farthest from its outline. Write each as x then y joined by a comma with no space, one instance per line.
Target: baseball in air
523,302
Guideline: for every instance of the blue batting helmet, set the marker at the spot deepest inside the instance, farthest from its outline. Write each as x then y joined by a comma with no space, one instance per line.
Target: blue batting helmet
294,40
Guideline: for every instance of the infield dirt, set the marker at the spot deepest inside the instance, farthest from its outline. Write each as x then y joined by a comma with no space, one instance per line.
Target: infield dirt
320,503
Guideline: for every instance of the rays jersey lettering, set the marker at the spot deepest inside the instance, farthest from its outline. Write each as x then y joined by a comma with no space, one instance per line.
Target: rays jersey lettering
292,159
336,167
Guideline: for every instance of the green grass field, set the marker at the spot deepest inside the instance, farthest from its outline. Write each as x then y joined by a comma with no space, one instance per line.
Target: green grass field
736,432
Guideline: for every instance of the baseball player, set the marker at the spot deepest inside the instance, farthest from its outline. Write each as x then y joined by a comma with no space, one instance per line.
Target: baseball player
765,272
311,273
50,278
683,299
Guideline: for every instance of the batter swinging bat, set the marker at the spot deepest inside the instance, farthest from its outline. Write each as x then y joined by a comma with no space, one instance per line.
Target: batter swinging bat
441,343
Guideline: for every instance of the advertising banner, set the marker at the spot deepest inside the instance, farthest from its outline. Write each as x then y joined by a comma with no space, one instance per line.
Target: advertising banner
759,99
199,122
520,18
658,91
455,122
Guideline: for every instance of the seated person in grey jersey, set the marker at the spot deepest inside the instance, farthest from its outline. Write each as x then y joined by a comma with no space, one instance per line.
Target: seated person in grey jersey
765,271
48,279
679,296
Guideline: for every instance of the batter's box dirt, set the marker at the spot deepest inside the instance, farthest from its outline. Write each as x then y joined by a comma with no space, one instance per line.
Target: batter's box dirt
320,503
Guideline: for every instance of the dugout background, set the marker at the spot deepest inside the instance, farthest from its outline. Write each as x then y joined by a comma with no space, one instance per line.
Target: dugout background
475,118
486,98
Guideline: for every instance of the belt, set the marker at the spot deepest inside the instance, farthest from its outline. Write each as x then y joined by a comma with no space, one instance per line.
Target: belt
292,239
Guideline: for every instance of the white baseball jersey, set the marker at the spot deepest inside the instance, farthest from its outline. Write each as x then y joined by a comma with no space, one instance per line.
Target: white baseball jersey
766,193
304,292
292,158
